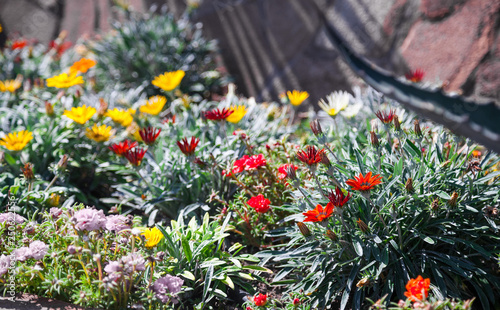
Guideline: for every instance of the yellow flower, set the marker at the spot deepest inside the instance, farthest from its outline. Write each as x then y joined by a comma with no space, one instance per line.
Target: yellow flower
169,80
297,97
99,133
133,131
81,114
152,236
121,117
237,115
82,65
154,105
53,201
1,29
64,80
10,85
17,140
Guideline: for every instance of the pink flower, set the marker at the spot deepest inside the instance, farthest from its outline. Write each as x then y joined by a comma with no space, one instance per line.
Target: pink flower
4,264
117,223
22,254
10,217
259,203
55,212
167,286
89,219
133,262
38,249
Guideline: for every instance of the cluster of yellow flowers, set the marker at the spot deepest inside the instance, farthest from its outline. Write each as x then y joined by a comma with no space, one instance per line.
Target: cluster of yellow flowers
10,85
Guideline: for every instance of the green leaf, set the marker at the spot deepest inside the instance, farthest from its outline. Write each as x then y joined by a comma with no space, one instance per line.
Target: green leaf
247,276
188,275
227,280
356,243
187,249
258,268
208,280
347,290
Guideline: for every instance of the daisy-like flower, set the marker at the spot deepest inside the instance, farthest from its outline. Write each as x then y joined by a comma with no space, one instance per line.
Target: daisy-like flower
188,147
122,147
122,117
364,183
417,289
152,236
310,156
149,135
338,198
133,131
415,76
297,97
64,80
17,140
336,102
10,85
82,65
154,105
319,214
259,203
386,117
135,155
168,81
81,115
217,114
99,133
238,113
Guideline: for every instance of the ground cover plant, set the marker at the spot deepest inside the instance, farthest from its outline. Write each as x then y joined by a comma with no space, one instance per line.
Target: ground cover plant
135,187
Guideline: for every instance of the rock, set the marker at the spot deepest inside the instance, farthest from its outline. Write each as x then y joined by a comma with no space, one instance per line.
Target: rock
434,9
32,302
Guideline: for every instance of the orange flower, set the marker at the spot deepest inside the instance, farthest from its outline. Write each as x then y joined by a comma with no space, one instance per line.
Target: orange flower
415,288
82,65
319,214
364,183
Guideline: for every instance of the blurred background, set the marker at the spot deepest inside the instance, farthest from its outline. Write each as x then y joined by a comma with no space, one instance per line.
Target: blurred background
270,46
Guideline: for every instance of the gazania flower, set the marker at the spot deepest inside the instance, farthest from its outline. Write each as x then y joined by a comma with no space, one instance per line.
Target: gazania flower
149,134
217,114
154,105
417,289
259,203
10,85
260,300
17,140
18,44
99,133
81,114
415,76
338,198
82,65
386,118
364,183
297,97
152,236
311,156
188,146
133,131
169,80
64,80
319,214
122,147
238,113
135,155
283,170
119,116
337,101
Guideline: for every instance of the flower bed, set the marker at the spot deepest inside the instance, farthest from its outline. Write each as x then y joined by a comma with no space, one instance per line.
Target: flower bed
144,193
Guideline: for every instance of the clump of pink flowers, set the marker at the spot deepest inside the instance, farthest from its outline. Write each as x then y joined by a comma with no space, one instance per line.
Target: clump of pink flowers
167,287
89,219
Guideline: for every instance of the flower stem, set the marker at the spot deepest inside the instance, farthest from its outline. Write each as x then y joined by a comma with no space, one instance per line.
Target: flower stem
319,185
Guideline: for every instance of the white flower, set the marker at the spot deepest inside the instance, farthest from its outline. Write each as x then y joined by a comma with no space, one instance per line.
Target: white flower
353,109
337,101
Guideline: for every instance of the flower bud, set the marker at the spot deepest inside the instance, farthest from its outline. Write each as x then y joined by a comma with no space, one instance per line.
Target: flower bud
304,230
63,162
49,109
416,128
435,204
103,106
71,249
316,128
28,172
331,235
325,160
409,185
490,211
362,225
363,282
374,138
453,200
397,124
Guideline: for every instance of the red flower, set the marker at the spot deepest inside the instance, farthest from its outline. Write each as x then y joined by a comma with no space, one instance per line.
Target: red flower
415,288
60,48
260,300
364,183
240,164
122,147
259,203
255,161
415,76
337,198
135,155
386,118
149,134
188,146
168,120
218,115
282,170
18,44
311,156
319,214
296,302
